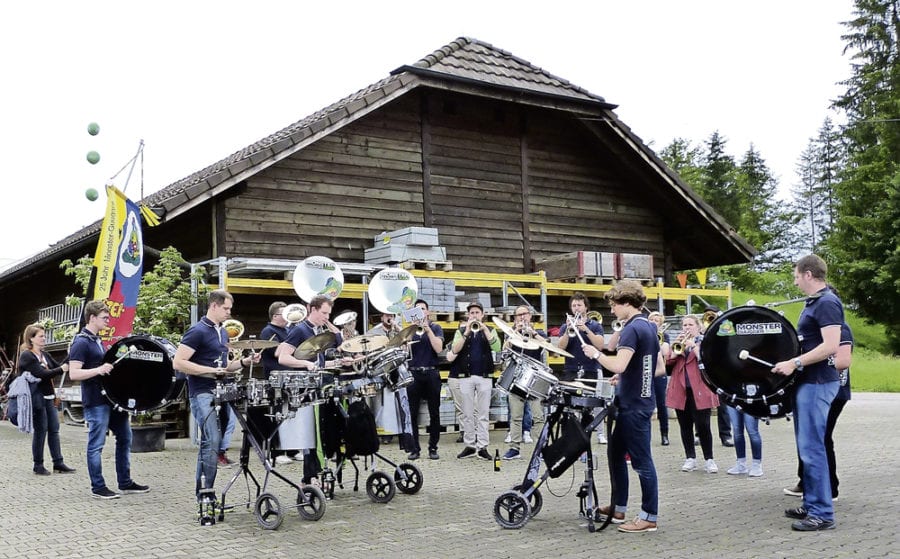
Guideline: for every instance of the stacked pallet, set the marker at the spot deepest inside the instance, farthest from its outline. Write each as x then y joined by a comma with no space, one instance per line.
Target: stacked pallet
418,244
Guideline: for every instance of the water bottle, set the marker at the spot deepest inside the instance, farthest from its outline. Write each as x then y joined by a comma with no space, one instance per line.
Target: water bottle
496,460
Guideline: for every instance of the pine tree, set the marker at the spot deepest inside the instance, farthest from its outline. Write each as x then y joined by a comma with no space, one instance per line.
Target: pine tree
865,241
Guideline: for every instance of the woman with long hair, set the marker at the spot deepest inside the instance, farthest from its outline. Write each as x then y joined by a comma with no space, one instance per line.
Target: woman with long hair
40,364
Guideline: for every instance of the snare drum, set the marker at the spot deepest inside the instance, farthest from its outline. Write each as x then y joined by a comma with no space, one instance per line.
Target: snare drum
745,383
257,391
398,378
527,377
386,362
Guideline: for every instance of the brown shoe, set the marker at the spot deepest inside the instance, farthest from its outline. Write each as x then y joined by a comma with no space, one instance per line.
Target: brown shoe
638,525
617,517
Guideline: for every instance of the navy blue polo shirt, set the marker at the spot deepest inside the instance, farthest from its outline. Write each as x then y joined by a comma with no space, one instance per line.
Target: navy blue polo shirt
635,387
304,331
580,361
87,348
268,359
210,345
820,311
422,355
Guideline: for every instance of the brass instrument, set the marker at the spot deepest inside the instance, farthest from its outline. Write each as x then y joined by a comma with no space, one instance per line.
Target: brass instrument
345,318
678,344
708,318
293,313
234,328
617,325
475,326
661,332
789,301
595,315
573,322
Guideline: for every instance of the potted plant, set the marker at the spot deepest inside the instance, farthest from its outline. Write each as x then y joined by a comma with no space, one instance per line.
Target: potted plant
148,433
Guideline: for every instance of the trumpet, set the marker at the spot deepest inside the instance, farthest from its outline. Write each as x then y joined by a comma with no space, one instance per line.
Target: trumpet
475,326
234,328
293,313
573,323
661,332
617,325
678,344
708,318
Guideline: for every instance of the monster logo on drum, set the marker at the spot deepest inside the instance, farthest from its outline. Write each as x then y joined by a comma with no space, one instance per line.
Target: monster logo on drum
318,275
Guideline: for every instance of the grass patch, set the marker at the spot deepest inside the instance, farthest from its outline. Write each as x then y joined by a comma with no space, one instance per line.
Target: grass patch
874,372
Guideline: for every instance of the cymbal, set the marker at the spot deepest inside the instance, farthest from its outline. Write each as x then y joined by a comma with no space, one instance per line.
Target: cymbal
364,343
522,343
505,328
553,348
315,345
253,344
403,336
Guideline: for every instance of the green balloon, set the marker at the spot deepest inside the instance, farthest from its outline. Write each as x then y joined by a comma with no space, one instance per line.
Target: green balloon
93,129
91,194
93,157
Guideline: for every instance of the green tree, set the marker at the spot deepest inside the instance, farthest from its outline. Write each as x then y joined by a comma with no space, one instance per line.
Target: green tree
864,245
684,159
718,182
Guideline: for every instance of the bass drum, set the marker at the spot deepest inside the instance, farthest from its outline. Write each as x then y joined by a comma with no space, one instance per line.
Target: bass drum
142,378
746,384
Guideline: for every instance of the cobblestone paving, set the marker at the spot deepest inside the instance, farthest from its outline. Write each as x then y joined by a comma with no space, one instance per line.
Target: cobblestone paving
701,515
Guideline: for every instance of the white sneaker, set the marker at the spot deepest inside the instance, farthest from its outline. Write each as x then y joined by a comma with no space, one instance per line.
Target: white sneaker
689,465
508,438
738,469
711,467
283,459
601,437
526,437
756,470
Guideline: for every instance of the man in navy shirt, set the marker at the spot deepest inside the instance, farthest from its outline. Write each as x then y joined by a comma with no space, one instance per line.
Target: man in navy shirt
423,363
591,331
819,329
203,356
634,365
86,364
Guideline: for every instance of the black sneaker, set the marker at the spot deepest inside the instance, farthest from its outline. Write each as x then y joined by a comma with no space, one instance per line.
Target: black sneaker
798,513
433,455
484,454
41,471
134,488
812,524
413,456
459,439
467,452
104,493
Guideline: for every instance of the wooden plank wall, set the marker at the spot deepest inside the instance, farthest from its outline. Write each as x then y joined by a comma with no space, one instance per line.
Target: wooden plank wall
334,196
578,201
476,179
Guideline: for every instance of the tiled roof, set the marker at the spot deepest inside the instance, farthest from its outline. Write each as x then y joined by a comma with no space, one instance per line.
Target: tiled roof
479,61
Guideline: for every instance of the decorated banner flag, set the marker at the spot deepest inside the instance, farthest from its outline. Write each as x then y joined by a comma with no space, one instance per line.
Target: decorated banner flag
118,264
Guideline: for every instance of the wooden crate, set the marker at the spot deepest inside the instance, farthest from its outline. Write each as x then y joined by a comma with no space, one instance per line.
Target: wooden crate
581,264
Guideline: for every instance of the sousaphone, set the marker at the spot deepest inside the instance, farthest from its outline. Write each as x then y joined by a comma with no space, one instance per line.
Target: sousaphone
318,275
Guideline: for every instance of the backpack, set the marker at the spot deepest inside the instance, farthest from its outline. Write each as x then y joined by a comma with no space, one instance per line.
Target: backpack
361,435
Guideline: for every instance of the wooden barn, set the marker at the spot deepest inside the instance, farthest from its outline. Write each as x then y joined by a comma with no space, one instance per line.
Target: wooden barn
510,163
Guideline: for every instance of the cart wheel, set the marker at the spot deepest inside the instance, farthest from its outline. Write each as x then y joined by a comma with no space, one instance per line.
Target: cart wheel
310,503
268,511
408,478
535,501
380,487
511,510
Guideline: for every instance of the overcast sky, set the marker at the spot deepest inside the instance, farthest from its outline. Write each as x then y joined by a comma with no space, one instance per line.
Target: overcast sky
198,80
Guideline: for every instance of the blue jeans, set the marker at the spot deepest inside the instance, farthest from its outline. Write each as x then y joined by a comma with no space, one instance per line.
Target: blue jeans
631,435
46,428
811,404
227,412
660,385
204,413
739,421
100,419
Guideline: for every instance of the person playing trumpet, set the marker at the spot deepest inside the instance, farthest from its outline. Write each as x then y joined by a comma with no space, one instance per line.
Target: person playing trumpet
688,394
473,345
591,331
423,362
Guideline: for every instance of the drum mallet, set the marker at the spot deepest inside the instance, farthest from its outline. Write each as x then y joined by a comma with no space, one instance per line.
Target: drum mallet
744,355
131,349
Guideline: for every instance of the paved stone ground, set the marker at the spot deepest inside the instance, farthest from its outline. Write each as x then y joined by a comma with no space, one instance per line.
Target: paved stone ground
702,515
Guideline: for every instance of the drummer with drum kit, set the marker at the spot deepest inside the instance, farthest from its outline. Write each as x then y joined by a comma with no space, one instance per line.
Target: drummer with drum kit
203,355
316,322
